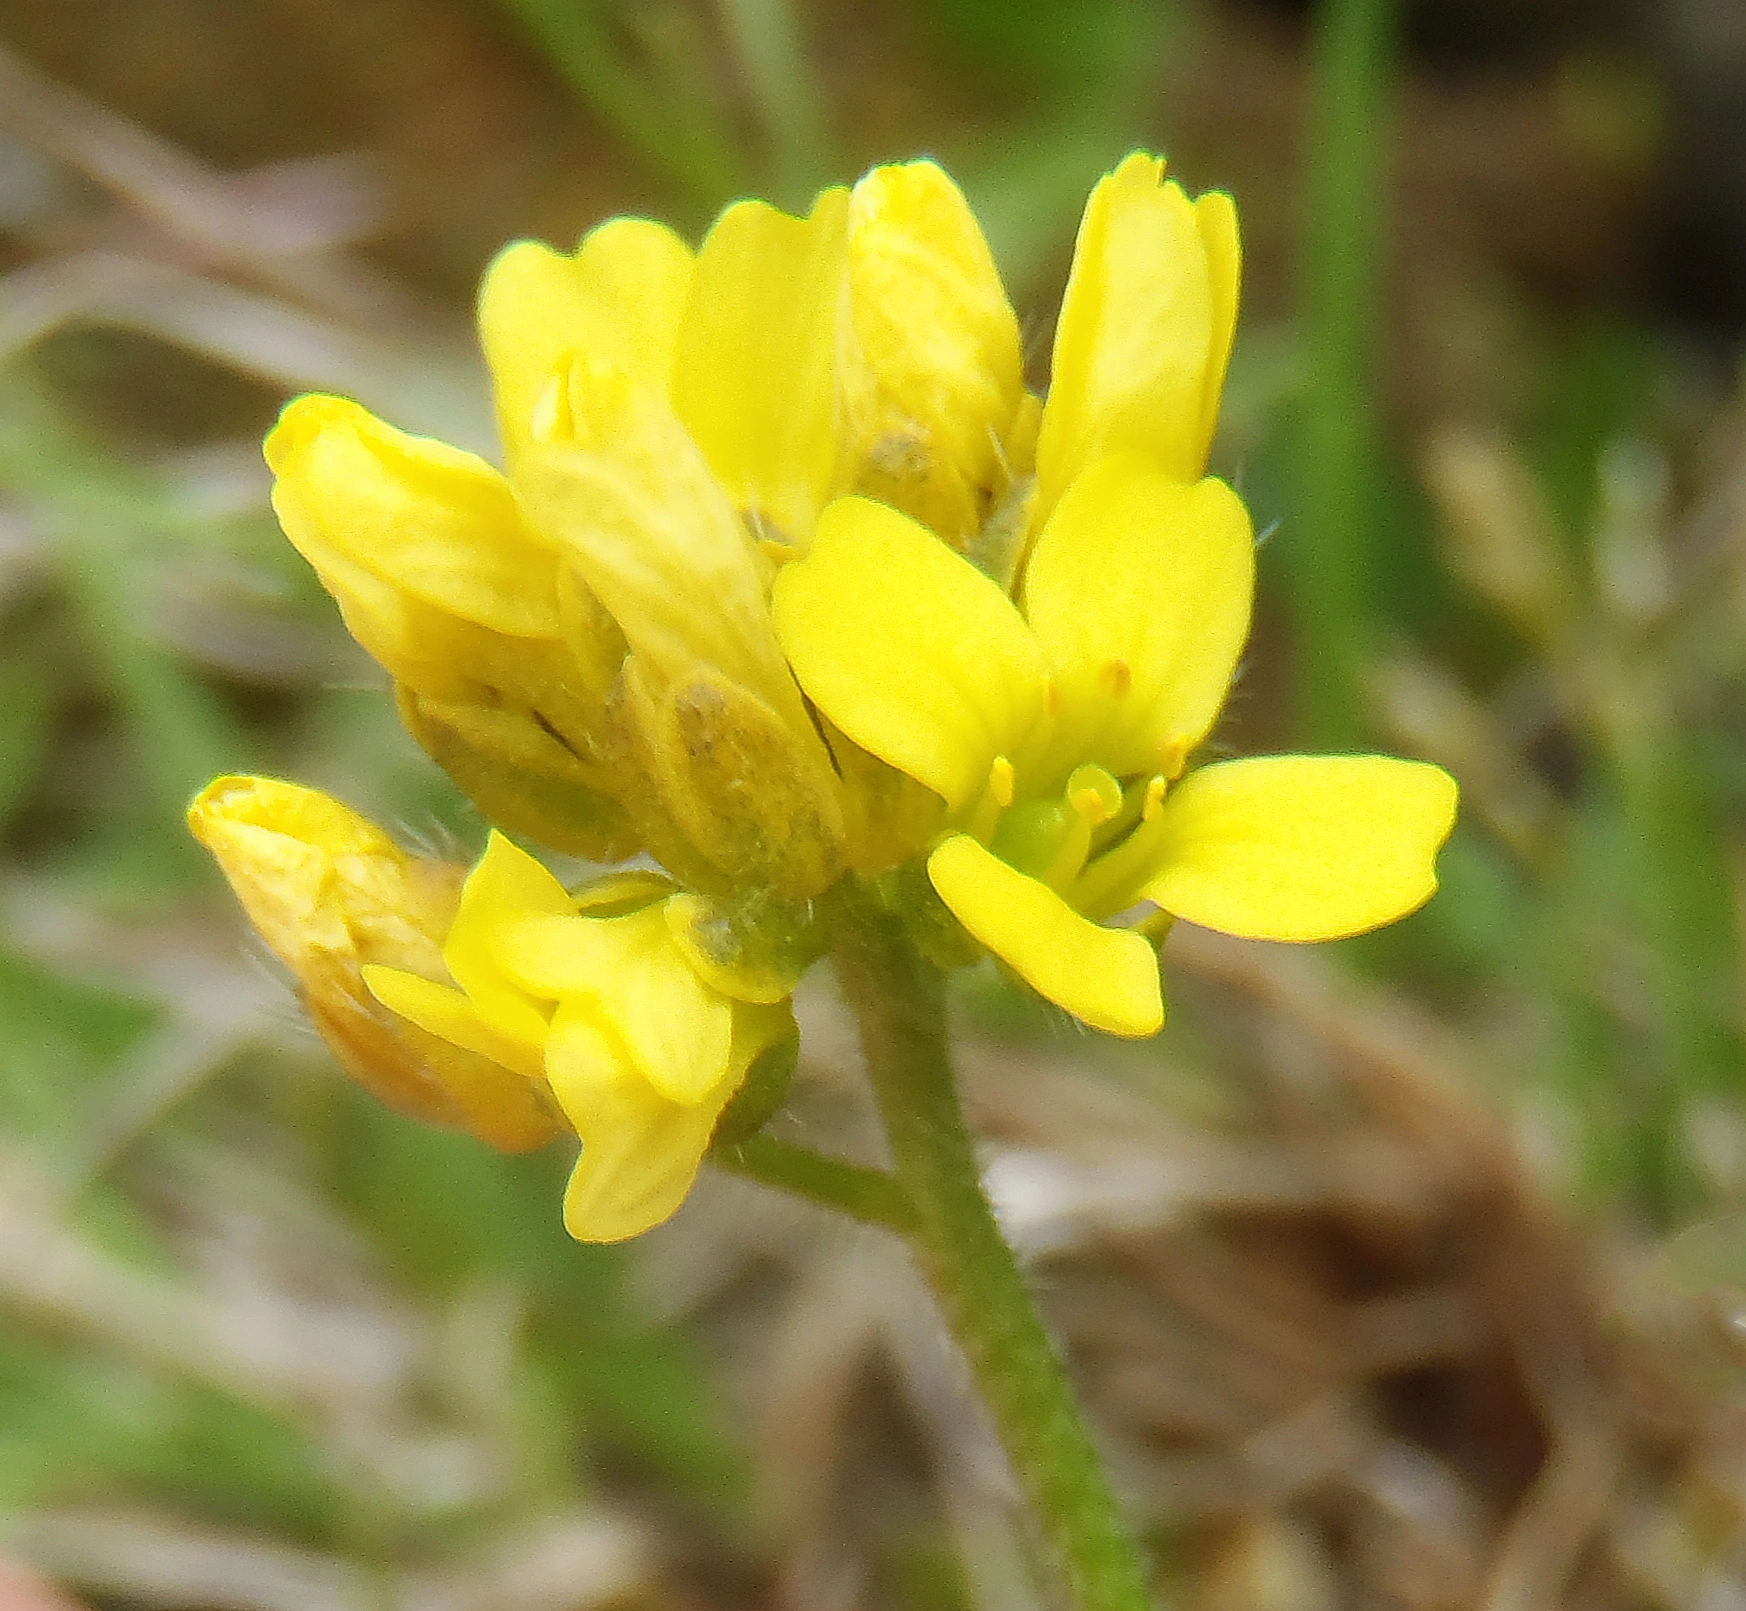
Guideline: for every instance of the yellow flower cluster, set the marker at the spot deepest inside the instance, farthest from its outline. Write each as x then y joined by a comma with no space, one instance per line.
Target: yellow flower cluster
788,578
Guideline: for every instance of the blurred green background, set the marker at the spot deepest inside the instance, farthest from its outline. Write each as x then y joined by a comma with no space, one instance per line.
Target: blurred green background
264,1345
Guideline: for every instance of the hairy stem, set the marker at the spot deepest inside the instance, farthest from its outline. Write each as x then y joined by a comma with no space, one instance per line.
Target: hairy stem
869,1195
899,1001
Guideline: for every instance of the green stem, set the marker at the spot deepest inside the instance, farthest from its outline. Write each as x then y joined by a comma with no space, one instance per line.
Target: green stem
898,999
1336,535
869,1195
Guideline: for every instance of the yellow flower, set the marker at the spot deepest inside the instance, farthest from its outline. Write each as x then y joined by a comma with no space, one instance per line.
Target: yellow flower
1056,735
592,995
332,896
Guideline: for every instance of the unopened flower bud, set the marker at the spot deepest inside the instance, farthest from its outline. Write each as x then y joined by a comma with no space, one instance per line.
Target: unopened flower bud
930,369
332,894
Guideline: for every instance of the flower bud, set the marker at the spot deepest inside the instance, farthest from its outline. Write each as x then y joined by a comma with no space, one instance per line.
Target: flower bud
331,894
930,369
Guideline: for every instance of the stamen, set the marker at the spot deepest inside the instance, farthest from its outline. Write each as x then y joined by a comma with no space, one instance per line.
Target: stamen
1154,799
1117,677
1051,697
1001,781
1172,758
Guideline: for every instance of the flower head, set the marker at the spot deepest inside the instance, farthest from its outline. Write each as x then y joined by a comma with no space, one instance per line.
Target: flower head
788,578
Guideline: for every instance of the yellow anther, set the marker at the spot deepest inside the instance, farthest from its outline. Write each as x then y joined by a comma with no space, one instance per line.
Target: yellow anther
1051,697
1001,779
1172,758
1154,799
1117,677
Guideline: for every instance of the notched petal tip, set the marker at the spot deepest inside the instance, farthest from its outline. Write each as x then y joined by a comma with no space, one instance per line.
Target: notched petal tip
618,296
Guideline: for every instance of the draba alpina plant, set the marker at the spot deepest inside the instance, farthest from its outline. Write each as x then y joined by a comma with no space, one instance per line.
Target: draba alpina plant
793,604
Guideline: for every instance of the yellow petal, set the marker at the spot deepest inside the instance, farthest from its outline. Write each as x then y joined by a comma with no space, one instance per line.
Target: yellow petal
634,506
437,523
1139,592
1216,214
1144,322
676,1030
1299,847
445,1013
1106,977
931,373
619,295
754,376
507,884
908,648
640,1151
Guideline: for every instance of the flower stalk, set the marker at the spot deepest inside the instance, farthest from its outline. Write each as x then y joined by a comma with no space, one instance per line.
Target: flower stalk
898,999
869,1195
